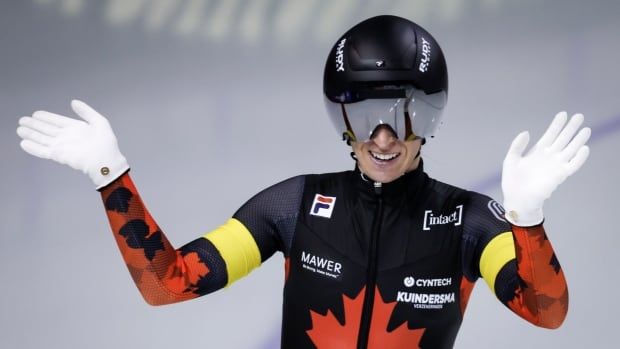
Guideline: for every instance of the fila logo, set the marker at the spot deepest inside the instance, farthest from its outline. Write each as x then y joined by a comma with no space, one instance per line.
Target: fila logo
323,205
430,219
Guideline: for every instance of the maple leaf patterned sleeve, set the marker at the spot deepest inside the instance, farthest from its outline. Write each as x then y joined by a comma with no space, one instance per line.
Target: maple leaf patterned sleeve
164,275
518,264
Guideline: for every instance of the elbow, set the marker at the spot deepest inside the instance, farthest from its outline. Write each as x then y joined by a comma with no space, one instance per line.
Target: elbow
552,321
154,299
542,311
553,316
551,324
162,296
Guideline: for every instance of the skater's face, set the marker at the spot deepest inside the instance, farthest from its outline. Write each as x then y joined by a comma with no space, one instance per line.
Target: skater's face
384,157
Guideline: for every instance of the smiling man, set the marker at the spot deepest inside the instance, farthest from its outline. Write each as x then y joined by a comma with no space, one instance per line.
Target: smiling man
382,256
385,158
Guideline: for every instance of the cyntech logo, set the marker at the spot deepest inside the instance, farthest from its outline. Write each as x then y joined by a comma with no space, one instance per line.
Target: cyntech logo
410,281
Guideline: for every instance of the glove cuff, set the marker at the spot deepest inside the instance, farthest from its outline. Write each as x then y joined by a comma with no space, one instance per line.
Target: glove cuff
522,216
108,171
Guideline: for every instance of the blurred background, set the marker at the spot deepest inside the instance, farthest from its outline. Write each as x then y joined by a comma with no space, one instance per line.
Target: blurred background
214,100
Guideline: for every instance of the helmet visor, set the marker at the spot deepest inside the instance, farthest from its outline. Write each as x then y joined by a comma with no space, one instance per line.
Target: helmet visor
409,112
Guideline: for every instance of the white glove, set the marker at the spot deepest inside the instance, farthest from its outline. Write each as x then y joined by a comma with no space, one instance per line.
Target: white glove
527,181
89,145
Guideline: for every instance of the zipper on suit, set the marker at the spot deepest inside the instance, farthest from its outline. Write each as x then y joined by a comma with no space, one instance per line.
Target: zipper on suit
371,275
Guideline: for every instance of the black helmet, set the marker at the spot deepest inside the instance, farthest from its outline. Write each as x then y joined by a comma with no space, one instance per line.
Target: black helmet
386,70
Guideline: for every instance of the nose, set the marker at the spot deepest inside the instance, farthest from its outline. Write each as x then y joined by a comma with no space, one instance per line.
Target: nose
383,136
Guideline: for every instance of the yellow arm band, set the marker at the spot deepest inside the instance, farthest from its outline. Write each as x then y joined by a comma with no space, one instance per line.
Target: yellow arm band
237,247
499,251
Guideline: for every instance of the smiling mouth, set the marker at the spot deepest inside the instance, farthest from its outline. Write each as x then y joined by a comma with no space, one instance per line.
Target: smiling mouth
384,157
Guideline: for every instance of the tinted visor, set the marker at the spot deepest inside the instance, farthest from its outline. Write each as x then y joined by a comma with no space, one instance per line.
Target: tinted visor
410,113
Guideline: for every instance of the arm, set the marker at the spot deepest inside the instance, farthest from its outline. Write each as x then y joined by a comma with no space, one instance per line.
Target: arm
518,264
539,294
163,275
533,285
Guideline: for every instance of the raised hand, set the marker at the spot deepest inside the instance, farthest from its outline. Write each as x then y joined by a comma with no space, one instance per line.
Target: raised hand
88,145
528,180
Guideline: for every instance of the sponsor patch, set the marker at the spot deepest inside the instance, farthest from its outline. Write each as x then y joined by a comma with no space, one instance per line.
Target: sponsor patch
426,300
431,219
426,293
410,281
323,205
497,210
321,265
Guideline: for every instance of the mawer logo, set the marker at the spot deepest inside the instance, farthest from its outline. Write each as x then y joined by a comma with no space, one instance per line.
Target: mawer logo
323,206
321,265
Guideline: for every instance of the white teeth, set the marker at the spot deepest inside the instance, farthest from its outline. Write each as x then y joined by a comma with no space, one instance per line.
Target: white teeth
384,157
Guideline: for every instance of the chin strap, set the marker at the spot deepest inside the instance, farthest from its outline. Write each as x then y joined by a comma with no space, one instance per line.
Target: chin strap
420,150
353,156
346,136
418,154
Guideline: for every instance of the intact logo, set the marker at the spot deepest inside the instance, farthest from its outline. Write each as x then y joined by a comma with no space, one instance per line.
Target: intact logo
497,210
323,205
340,55
431,219
426,55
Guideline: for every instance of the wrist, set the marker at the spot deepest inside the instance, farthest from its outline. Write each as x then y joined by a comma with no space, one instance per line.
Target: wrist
106,172
522,215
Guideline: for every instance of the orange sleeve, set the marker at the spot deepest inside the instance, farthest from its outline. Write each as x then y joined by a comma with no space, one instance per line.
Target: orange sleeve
162,274
540,294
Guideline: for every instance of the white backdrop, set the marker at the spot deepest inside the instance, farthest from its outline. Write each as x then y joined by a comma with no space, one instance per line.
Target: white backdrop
214,100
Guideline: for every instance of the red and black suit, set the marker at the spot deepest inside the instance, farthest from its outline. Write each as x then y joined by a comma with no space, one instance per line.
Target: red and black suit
389,266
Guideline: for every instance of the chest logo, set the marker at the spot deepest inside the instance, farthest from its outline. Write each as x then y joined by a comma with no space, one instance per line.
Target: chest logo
323,206
431,219
321,265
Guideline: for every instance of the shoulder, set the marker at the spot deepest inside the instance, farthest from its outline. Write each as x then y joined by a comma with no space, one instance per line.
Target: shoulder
445,190
328,178
467,196
289,192
332,183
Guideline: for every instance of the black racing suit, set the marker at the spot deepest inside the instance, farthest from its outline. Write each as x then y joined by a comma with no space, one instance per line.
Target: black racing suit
367,266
